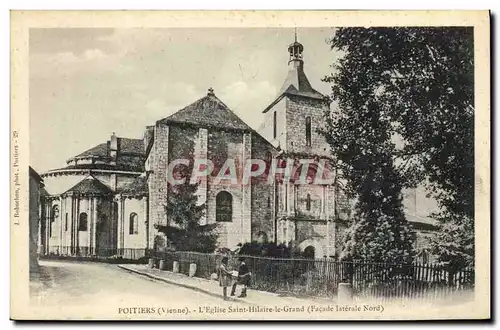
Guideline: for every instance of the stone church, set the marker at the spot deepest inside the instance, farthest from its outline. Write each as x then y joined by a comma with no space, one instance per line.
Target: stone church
107,199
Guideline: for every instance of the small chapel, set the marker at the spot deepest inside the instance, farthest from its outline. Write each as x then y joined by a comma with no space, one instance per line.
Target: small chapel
106,200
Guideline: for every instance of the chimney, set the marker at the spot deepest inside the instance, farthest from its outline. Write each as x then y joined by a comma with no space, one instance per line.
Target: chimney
113,147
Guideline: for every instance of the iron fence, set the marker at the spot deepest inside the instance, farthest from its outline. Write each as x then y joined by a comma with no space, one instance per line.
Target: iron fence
308,277
320,277
85,252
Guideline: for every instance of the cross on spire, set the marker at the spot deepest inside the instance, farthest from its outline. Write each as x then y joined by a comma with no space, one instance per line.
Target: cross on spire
210,91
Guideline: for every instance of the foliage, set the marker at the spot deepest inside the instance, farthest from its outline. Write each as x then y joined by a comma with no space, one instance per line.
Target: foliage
415,86
454,244
380,232
184,230
272,250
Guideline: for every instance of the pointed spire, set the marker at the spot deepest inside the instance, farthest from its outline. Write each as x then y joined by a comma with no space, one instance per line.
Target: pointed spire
296,81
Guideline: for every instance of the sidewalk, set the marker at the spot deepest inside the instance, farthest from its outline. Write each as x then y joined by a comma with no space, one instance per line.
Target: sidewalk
212,288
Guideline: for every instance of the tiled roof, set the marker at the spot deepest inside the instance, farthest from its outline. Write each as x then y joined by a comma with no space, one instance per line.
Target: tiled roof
312,93
130,157
297,83
131,146
125,146
90,185
137,187
120,166
208,111
100,150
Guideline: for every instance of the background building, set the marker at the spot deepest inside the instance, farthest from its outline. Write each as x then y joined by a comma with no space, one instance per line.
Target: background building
83,209
35,189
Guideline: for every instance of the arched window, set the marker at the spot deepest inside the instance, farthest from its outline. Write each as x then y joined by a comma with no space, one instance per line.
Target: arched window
224,207
133,228
275,125
66,222
55,212
53,218
308,202
82,222
308,131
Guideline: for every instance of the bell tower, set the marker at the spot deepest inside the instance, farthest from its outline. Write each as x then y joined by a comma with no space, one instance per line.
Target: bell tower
291,124
295,49
292,119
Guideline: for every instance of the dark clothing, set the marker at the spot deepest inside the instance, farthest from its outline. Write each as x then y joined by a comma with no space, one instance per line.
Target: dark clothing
243,279
243,274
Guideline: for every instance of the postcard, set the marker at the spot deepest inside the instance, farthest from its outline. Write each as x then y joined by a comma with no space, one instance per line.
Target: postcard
250,165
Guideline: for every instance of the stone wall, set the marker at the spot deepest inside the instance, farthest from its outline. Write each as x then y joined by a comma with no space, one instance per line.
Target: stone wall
315,193
135,240
297,110
123,180
62,231
34,209
263,194
267,129
314,233
217,146
221,146
157,181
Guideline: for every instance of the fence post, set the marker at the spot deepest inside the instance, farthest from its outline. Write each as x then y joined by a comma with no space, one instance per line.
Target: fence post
344,293
175,267
192,269
344,289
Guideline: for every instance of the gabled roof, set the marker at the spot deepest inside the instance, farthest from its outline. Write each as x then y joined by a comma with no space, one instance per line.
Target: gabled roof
90,185
208,111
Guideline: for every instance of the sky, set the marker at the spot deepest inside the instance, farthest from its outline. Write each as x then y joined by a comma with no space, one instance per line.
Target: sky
87,83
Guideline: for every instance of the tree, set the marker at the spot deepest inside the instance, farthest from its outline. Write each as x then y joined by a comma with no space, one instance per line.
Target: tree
421,81
360,136
184,230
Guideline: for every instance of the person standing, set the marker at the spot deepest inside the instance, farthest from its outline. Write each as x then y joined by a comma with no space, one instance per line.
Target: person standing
243,279
224,276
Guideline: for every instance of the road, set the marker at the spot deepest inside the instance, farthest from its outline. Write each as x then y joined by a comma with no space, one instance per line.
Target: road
81,284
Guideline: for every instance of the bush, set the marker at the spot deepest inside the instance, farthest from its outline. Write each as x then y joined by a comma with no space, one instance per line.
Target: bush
271,250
